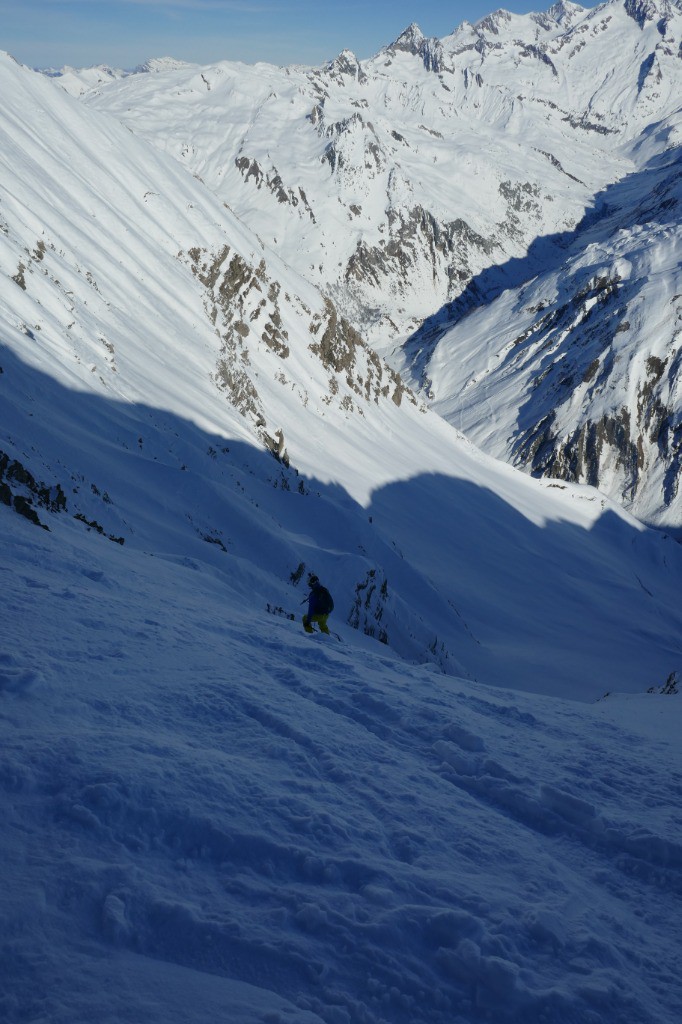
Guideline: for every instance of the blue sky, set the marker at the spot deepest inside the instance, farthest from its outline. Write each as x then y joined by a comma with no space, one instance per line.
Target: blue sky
124,33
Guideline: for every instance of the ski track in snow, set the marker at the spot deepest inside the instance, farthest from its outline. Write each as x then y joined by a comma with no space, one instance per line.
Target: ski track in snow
315,830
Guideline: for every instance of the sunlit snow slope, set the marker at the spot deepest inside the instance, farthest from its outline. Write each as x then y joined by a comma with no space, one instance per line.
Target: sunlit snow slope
419,184
571,369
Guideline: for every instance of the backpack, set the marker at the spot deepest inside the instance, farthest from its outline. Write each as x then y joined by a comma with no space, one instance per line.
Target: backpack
323,600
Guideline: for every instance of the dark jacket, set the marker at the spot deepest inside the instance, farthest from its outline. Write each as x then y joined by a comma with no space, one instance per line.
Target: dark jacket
319,601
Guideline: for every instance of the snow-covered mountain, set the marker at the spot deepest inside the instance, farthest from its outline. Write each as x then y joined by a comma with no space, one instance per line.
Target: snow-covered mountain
396,185
573,371
390,182
208,815
195,349
79,81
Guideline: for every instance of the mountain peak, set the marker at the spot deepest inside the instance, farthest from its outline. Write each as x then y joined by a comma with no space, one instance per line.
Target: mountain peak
101,69
413,41
410,40
493,22
564,10
346,64
156,64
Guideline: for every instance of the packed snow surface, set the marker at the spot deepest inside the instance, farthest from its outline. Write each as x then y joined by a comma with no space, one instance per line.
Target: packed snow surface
209,815
433,816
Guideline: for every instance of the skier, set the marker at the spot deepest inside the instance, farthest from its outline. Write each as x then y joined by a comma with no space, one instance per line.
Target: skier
320,605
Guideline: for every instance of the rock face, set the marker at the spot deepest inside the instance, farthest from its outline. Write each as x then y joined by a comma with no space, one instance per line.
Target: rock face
249,310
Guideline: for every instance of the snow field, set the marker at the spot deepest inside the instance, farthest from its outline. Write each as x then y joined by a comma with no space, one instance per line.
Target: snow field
189,781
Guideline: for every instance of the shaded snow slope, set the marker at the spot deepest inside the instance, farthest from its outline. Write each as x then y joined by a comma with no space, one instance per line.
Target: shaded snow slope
476,568
209,815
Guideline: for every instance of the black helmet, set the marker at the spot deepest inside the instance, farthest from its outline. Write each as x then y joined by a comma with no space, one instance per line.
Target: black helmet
312,580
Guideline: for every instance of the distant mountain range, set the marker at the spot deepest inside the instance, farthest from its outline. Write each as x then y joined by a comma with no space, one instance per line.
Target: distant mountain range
418,185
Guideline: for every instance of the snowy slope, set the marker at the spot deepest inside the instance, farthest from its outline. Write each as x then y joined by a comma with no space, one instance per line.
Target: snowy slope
573,370
79,81
208,815
415,185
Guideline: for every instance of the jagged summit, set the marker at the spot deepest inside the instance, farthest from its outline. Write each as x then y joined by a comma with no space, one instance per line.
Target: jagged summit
562,15
645,12
410,40
414,42
564,11
566,8
503,24
346,64
493,22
